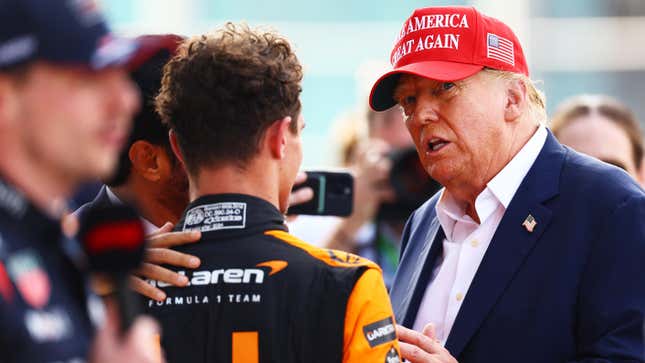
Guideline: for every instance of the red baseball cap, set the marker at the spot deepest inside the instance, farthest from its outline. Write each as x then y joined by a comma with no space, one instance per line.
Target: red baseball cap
448,44
150,45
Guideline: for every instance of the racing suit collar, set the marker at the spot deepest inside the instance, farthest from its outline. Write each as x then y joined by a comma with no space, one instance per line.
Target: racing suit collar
15,206
231,214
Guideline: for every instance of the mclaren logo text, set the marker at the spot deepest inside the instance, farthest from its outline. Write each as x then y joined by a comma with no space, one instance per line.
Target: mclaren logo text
231,275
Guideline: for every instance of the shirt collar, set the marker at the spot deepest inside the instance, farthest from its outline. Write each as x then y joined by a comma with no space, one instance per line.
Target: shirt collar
500,190
505,184
449,213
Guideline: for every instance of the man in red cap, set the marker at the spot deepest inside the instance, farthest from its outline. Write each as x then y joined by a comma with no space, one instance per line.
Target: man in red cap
531,252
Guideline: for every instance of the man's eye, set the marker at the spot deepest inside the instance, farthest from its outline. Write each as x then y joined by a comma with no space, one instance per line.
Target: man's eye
409,100
447,85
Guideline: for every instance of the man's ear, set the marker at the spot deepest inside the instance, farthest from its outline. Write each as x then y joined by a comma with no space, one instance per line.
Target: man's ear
516,100
172,136
144,159
276,137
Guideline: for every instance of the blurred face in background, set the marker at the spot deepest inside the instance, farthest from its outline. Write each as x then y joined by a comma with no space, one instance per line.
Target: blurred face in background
72,120
389,126
601,138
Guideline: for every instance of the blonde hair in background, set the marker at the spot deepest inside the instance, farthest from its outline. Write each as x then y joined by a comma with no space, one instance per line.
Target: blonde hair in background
347,131
353,126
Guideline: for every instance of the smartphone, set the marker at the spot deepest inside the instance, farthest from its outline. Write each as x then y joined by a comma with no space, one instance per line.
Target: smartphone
333,194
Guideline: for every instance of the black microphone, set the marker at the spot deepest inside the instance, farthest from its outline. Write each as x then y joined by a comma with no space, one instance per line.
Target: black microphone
114,242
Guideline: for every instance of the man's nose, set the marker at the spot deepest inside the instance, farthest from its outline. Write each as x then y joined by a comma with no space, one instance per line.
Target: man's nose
427,110
130,96
124,94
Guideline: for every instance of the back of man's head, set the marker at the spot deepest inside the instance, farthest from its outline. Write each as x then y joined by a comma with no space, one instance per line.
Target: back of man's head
223,90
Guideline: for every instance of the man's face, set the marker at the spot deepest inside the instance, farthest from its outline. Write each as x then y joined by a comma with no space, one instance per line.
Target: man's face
174,181
291,164
75,121
458,127
601,138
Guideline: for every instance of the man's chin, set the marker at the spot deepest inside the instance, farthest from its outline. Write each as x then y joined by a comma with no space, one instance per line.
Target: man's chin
283,205
283,209
440,173
102,169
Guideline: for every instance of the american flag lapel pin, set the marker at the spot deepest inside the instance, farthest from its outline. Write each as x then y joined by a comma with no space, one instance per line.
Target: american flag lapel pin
529,223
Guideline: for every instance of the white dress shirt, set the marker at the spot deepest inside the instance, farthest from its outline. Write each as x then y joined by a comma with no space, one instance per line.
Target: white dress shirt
148,227
466,241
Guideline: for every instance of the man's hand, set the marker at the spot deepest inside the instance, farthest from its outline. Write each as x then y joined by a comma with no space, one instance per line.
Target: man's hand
159,253
422,348
301,195
139,344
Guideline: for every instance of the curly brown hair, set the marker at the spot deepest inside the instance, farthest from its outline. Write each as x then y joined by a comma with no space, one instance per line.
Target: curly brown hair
221,91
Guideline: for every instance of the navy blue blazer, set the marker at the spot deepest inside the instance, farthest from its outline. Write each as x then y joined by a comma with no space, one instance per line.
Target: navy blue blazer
573,290
102,199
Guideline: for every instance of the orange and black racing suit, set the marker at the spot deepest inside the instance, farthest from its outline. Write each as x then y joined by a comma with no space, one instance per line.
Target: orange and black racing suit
262,295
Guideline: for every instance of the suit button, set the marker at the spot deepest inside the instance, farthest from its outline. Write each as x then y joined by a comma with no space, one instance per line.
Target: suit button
459,296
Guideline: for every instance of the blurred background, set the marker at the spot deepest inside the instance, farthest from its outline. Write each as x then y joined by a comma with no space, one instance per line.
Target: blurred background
573,46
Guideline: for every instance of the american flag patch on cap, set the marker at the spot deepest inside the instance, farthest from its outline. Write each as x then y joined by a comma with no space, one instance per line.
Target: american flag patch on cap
500,48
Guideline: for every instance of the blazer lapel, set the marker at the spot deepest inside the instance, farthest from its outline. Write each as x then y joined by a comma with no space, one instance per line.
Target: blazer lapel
511,244
102,198
423,262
